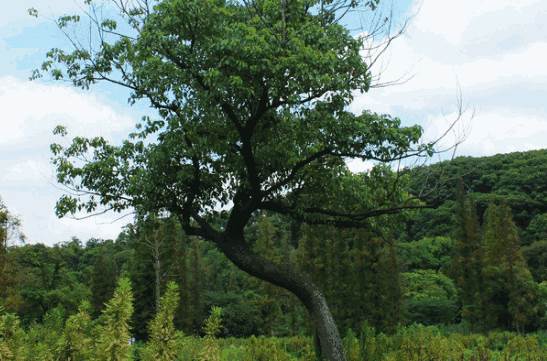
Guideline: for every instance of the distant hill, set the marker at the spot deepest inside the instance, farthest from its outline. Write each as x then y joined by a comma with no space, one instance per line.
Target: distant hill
518,179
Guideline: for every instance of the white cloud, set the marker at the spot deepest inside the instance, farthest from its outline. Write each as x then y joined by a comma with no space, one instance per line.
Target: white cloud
489,132
14,14
29,112
493,50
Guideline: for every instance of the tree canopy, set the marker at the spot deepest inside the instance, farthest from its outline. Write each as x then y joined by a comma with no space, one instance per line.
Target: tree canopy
252,103
251,98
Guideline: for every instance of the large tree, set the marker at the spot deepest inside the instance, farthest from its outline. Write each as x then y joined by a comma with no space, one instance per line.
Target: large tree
252,100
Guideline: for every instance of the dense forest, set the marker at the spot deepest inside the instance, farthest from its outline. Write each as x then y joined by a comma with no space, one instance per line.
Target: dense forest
476,263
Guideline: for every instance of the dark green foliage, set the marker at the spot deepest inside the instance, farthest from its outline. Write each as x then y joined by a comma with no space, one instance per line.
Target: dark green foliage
510,294
536,230
518,179
438,222
542,319
103,280
429,297
427,253
46,279
9,229
467,260
354,267
536,258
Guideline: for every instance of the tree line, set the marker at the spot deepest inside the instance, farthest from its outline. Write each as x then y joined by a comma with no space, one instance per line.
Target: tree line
478,273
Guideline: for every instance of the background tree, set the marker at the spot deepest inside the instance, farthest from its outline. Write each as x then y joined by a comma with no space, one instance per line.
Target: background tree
429,297
510,295
466,265
516,179
9,230
536,258
103,280
252,101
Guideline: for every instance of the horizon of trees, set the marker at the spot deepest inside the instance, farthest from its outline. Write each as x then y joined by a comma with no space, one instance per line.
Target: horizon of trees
485,271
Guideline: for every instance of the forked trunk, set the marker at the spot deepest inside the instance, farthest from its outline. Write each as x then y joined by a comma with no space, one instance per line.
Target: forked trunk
289,278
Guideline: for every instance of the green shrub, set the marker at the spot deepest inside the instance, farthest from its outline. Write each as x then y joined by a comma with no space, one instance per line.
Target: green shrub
112,334
162,345
211,328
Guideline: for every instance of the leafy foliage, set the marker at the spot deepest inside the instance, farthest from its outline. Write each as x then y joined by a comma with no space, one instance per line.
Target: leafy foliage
517,179
430,297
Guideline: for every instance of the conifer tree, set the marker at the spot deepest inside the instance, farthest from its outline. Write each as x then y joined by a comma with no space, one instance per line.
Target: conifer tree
467,258
388,289
376,282
269,244
179,273
3,252
75,343
510,295
113,337
143,278
211,328
163,335
353,267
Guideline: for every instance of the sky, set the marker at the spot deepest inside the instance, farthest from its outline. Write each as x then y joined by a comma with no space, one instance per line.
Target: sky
486,58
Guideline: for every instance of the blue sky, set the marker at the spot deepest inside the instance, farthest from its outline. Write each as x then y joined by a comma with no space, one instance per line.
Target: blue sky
492,52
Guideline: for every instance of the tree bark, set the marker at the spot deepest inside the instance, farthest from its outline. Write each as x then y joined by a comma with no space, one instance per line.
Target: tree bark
291,279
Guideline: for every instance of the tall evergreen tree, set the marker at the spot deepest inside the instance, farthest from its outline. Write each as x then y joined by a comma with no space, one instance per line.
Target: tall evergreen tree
357,268
3,253
195,284
273,246
180,275
510,295
376,281
467,258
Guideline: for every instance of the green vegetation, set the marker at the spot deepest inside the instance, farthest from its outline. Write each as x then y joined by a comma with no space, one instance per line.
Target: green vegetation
516,179
251,101
252,239
475,278
107,339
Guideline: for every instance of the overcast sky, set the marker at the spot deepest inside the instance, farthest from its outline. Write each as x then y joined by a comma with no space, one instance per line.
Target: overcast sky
492,52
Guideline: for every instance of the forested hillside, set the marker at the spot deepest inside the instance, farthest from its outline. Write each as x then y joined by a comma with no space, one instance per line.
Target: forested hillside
516,179
435,266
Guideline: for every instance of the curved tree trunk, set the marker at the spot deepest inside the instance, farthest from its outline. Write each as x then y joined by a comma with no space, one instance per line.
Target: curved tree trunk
289,278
